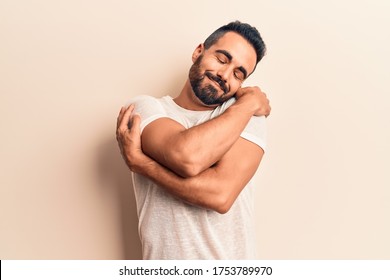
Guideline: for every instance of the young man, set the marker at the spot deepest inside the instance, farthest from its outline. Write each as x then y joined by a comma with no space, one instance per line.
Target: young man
193,156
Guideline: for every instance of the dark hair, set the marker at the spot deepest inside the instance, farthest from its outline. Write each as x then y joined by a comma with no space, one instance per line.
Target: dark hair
250,33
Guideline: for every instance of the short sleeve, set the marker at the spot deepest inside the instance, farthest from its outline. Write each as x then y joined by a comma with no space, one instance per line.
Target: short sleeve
255,131
149,108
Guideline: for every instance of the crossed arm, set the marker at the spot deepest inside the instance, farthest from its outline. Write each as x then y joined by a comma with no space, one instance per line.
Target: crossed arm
218,163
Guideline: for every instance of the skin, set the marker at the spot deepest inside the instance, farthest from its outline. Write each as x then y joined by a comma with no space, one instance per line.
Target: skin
202,165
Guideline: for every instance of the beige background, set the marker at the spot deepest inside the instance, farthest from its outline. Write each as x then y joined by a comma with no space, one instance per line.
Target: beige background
66,67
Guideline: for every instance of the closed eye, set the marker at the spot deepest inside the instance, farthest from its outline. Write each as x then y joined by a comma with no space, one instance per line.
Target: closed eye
220,60
239,75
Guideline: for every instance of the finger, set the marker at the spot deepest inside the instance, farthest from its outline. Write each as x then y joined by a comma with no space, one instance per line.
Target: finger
120,116
239,92
118,121
123,125
268,111
135,124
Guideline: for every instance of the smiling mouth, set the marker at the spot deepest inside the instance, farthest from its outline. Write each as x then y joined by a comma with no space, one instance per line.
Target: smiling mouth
217,84
220,84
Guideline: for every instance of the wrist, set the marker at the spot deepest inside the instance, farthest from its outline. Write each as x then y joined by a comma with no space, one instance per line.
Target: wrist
137,161
245,104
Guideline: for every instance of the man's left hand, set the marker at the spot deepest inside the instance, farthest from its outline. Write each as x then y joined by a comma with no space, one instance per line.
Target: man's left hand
129,138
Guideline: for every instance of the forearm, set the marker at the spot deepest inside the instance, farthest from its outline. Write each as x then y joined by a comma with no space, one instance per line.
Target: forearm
202,190
215,188
205,144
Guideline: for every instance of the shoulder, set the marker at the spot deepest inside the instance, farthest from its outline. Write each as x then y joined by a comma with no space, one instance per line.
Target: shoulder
146,103
227,103
222,108
142,99
149,108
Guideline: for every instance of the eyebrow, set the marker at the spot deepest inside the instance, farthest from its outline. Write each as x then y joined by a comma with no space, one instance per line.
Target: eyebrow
230,57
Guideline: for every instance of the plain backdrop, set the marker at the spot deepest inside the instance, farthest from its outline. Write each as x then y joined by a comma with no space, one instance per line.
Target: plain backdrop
66,68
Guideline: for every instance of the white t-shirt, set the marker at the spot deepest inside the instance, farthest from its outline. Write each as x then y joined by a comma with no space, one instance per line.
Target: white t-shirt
172,229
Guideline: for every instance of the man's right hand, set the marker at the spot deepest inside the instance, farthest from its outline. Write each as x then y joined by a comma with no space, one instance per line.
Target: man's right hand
257,98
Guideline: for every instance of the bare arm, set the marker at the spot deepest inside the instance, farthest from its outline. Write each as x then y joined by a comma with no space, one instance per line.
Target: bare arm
188,152
215,188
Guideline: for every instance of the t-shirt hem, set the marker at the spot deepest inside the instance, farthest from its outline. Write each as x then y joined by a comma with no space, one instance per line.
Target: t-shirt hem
254,139
151,119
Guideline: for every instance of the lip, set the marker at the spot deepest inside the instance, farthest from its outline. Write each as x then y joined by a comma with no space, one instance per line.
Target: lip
217,84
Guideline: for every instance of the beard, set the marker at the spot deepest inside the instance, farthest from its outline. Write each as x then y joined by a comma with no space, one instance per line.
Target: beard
208,94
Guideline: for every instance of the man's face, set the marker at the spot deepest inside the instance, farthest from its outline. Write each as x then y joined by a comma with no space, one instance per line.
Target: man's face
218,72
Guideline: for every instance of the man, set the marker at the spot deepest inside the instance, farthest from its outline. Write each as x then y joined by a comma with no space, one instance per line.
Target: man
193,156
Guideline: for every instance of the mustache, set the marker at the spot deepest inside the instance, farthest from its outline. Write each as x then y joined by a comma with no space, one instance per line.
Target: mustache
217,79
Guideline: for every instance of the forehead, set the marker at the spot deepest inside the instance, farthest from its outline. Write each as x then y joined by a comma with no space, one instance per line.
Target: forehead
241,50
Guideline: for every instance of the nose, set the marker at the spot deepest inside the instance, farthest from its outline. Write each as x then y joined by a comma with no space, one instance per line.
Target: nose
224,73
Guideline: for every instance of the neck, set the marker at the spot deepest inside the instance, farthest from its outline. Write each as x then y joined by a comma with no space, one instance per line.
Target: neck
188,100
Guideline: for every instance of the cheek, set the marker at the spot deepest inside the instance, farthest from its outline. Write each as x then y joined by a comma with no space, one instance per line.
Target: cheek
234,85
210,64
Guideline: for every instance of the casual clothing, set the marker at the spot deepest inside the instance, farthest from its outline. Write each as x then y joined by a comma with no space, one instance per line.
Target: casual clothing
170,228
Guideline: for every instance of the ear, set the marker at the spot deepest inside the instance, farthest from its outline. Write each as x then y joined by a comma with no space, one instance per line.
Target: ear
197,52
